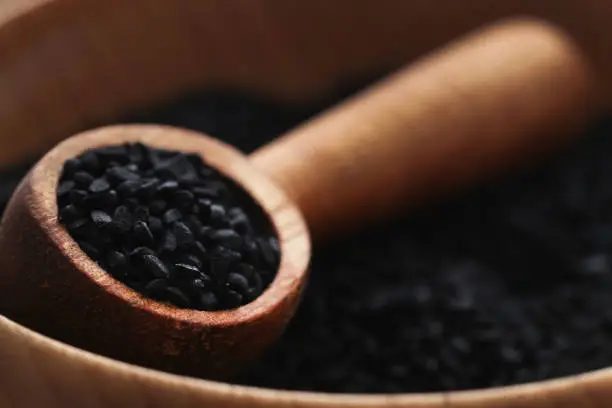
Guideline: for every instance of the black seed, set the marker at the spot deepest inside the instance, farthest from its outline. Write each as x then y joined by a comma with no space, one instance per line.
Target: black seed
83,179
208,301
90,162
110,198
69,214
194,223
113,153
232,298
122,219
186,271
238,283
120,174
268,253
156,226
99,185
191,259
142,233
183,234
141,213
116,260
156,287
200,285
200,250
90,249
157,207
239,221
171,216
227,238
147,188
183,198
71,166
65,187
168,242
168,187
178,166
77,196
217,215
177,297
204,192
77,225
128,188
155,266
101,219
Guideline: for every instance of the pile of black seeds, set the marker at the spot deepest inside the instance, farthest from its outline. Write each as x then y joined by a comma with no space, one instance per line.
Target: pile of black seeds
504,284
168,226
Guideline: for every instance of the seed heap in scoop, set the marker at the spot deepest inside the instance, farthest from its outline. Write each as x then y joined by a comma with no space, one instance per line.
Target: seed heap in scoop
168,225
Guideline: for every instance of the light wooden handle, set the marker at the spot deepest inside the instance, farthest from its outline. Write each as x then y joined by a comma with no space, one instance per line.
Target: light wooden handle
476,106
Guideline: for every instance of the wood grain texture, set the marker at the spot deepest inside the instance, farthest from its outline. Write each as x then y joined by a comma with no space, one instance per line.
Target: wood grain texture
67,64
56,289
480,105
103,58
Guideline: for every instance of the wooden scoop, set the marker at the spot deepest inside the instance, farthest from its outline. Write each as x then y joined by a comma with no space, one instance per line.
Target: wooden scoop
476,106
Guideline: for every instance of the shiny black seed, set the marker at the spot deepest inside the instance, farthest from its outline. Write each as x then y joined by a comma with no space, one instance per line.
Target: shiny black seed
116,260
83,179
231,298
156,287
227,238
183,198
208,301
142,233
239,221
89,162
71,166
178,166
171,216
99,185
77,196
141,213
177,297
217,215
168,242
128,188
168,187
65,187
155,266
200,285
77,225
113,153
238,283
156,226
90,249
268,253
122,219
120,174
69,214
158,207
191,259
101,219
183,234
109,198
147,188
204,192
186,271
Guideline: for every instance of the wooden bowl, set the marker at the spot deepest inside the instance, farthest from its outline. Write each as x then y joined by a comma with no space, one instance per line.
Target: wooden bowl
72,64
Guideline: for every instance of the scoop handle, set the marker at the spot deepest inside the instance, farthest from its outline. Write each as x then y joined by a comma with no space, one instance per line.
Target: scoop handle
478,105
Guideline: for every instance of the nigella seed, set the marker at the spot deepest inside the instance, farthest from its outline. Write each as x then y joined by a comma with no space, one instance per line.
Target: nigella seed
101,219
99,185
186,271
156,287
228,238
142,233
83,179
208,301
155,266
171,216
232,298
77,196
157,222
71,166
128,188
119,174
267,252
116,260
69,214
168,242
177,297
156,226
183,234
157,207
238,283
65,188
